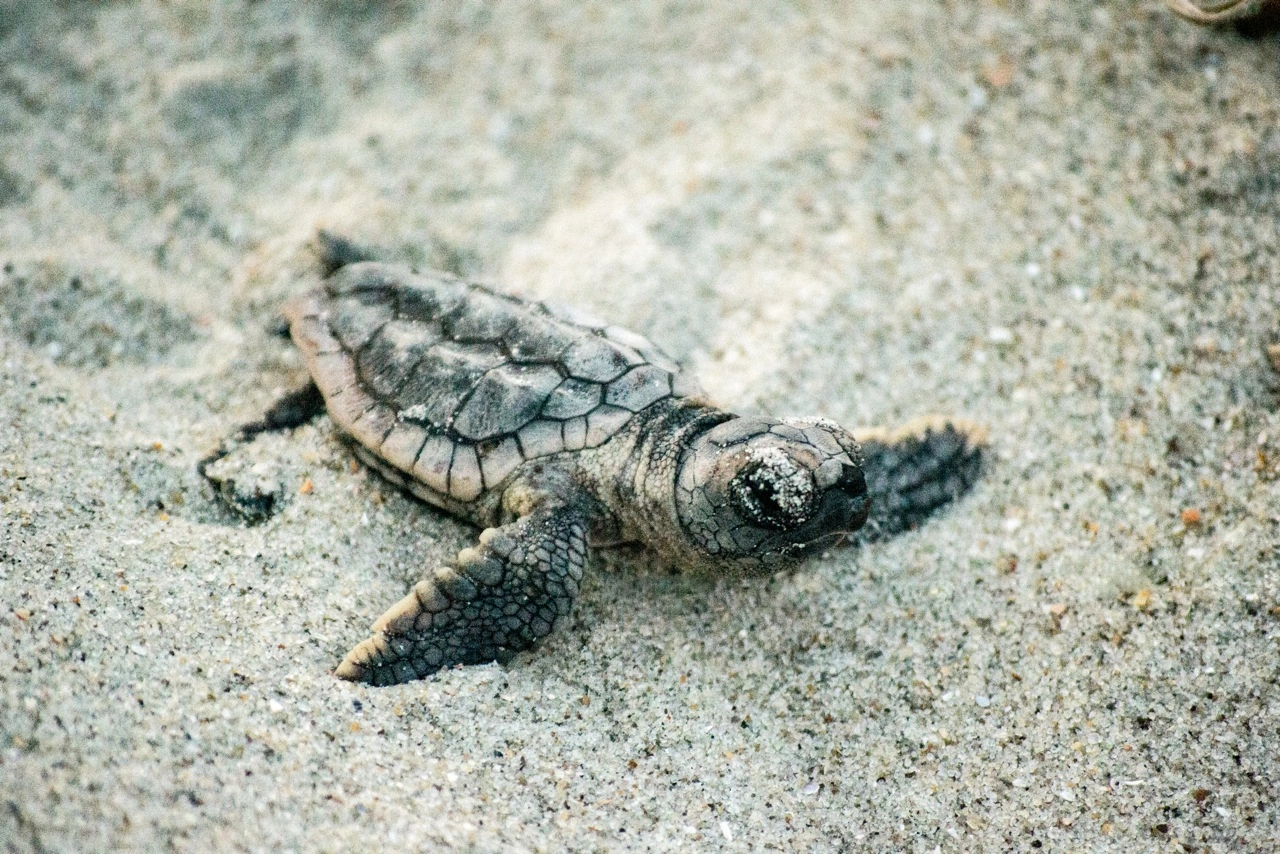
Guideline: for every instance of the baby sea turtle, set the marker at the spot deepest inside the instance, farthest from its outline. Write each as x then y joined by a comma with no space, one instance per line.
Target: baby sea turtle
558,433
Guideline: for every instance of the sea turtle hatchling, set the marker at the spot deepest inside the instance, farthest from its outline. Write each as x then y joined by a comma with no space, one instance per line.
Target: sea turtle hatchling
557,433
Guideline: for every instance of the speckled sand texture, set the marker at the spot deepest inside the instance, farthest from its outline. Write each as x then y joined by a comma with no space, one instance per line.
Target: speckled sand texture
1057,219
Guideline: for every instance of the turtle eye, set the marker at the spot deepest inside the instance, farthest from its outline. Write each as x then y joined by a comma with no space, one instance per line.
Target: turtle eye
772,491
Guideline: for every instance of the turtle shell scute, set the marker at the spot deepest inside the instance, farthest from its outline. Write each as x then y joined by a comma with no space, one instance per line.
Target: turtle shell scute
504,400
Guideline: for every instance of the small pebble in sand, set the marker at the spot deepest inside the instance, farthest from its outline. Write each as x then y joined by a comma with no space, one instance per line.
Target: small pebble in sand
1205,345
999,74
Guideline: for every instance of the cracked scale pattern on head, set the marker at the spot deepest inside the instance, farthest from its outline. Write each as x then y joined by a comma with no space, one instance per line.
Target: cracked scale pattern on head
764,493
555,431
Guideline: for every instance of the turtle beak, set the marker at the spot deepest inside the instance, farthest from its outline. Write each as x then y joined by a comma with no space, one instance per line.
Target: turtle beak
852,488
845,503
845,508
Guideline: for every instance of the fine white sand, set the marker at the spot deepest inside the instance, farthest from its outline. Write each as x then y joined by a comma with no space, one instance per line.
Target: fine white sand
1057,219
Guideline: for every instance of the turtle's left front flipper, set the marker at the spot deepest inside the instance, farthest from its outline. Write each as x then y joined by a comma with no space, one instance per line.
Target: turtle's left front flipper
495,600
913,471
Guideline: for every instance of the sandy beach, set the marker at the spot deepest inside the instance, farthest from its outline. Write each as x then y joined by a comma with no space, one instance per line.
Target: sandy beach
1058,220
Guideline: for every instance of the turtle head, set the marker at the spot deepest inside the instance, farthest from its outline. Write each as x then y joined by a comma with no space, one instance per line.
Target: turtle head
764,493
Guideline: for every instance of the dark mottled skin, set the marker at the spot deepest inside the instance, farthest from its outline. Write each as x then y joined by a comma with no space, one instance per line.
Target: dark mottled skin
556,432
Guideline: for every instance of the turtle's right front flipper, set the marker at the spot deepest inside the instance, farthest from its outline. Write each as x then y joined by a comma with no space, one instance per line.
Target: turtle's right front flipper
915,470
497,599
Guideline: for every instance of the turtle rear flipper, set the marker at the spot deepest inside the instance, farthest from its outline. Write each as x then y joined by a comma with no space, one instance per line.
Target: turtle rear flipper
292,410
917,469
241,487
496,600
336,252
